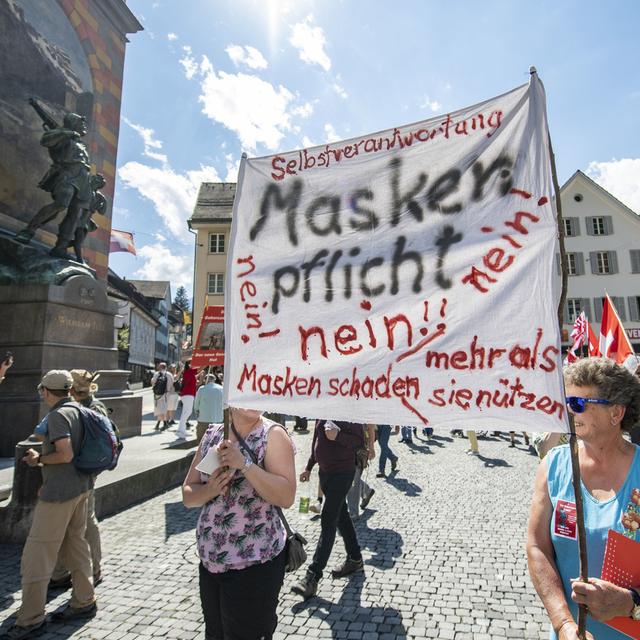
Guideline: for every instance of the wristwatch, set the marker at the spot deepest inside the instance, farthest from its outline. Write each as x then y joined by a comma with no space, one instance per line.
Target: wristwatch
635,612
248,463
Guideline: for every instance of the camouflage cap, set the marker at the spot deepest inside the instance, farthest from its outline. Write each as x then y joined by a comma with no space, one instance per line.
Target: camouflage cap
84,381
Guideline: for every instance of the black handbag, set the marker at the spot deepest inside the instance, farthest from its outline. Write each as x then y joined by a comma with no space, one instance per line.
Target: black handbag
295,554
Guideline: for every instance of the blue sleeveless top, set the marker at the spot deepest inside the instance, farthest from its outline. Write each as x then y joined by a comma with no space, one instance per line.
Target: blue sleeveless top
599,517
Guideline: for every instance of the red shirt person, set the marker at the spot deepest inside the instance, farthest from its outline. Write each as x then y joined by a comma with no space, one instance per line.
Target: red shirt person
187,396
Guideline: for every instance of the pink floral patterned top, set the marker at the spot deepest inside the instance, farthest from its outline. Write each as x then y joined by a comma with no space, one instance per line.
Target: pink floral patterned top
241,529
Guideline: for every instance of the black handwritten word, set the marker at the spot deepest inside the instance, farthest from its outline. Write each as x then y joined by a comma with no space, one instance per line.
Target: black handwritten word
326,214
384,386
497,260
448,128
286,385
513,395
373,277
247,291
475,357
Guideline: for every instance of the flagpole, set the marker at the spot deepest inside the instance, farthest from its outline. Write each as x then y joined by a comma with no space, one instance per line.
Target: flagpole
575,460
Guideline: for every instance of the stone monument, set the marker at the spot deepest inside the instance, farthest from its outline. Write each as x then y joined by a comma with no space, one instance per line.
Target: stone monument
54,312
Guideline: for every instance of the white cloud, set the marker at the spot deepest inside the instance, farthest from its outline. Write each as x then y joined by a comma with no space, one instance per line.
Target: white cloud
173,194
162,263
340,90
304,110
331,135
246,55
255,110
233,166
432,105
172,36
150,143
308,142
310,40
191,67
621,178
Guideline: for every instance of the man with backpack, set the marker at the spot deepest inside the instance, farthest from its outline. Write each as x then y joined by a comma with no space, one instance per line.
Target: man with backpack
60,515
84,386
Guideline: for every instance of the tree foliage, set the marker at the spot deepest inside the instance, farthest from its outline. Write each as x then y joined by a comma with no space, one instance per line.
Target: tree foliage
182,299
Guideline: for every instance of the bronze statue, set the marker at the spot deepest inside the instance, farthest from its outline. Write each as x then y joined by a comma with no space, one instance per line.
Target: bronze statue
97,204
69,183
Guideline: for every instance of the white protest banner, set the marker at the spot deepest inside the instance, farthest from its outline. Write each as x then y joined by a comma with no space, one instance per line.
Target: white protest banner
402,277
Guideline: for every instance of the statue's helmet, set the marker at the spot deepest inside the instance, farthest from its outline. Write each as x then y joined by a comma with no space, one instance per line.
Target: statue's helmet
75,122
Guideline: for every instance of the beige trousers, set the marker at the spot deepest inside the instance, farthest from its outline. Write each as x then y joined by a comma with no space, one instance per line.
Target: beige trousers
92,536
57,527
473,441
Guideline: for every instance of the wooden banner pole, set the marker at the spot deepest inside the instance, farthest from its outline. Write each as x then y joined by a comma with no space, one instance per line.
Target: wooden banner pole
575,461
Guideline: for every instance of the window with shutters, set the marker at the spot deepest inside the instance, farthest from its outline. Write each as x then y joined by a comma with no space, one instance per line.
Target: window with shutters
603,262
216,243
570,227
634,254
618,305
215,283
634,308
575,308
597,226
572,267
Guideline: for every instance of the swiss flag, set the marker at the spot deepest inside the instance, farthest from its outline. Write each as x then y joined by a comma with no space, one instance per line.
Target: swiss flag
594,346
121,241
614,343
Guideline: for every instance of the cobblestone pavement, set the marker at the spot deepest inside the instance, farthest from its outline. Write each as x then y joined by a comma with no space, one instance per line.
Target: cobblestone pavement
443,542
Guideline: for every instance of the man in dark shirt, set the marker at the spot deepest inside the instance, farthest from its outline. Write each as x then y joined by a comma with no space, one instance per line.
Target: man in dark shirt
334,449
60,516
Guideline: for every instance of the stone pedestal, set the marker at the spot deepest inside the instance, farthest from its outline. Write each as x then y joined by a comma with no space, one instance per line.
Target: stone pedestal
50,326
126,408
16,517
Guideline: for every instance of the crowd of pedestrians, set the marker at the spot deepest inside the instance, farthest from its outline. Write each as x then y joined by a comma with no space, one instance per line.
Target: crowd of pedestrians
243,476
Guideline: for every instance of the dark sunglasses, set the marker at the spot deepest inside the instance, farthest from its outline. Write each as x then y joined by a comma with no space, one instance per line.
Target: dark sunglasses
578,404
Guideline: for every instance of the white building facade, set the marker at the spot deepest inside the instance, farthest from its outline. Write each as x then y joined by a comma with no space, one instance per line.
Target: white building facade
602,240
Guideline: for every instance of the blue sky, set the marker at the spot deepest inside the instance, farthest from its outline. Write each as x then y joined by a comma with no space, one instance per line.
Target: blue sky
209,79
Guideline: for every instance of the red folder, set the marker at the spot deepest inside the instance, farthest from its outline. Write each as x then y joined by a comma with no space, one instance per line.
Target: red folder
621,566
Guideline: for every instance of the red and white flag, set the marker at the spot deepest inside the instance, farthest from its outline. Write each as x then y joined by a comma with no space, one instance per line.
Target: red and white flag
579,335
614,342
121,241
594,346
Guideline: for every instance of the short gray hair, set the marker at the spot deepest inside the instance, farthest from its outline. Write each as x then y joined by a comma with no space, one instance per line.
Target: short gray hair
613,382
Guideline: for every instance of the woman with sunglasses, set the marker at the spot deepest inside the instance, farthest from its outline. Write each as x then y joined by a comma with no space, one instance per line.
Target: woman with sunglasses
605,401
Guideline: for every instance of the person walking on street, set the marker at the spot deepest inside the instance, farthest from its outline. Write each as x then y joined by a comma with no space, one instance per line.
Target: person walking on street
334,449
384,433
188,388
172,394
161,382
406,435
82,391
59,518
361,493
208,405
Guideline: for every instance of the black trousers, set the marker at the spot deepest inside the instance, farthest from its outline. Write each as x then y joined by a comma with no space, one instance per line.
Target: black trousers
241,605
335,517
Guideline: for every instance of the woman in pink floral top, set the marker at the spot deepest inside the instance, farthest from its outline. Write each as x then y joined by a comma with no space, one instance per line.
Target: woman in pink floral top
240,536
